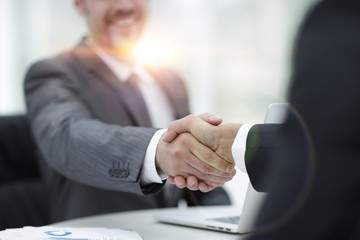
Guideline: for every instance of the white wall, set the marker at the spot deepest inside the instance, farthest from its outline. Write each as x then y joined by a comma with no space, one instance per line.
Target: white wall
8,86
234,54
29,30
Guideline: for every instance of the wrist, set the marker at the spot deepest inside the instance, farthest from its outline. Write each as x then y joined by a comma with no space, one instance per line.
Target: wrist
229,132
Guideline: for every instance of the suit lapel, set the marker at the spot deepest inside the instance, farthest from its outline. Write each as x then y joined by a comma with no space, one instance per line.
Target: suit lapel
100,72
142,118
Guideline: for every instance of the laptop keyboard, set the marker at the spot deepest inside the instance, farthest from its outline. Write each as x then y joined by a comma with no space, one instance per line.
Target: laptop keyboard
232,219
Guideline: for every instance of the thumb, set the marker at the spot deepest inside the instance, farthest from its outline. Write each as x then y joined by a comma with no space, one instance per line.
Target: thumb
211,118
177,127
187,123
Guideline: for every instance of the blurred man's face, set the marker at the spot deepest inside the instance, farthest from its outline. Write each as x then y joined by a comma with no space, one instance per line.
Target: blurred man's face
115,25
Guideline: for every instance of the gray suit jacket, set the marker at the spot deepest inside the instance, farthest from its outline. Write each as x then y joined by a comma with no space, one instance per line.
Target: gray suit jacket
92,140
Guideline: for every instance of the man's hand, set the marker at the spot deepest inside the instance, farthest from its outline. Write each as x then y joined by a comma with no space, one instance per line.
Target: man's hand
192,183
185,156
219,139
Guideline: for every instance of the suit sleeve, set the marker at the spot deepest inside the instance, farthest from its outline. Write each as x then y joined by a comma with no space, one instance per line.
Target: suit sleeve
314,192
262,145
74,143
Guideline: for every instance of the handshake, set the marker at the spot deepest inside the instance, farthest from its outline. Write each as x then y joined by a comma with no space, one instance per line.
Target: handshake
195,152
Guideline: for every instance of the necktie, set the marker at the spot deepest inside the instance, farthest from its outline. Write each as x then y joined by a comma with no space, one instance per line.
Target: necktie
136,101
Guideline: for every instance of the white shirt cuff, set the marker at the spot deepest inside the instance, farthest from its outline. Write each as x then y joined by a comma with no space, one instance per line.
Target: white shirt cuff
149,174
239,146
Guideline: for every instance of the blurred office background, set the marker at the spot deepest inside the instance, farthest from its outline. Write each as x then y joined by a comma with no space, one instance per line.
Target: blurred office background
234,54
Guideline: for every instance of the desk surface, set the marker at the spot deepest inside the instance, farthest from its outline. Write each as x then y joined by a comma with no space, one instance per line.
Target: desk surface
145,224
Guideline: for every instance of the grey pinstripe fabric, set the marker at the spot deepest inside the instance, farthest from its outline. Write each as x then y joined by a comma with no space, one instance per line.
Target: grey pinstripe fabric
90,137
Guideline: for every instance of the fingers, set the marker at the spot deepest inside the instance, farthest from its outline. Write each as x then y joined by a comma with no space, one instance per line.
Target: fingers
210,163
177,159
190,170
187,124
191,183
203,187
211,118
194,184
211,160
180,181
209,137
171,179
204,132
177,127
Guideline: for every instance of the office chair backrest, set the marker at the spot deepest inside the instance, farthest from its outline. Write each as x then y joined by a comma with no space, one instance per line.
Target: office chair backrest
18,153
24,199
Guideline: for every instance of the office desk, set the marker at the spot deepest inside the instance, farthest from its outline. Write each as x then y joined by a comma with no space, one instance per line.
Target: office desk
145,224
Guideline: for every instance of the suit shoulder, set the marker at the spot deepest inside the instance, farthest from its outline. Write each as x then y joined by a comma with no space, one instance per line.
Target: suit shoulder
336,19
58,64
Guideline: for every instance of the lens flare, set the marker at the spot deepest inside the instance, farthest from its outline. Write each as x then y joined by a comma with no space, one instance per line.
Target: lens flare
153,52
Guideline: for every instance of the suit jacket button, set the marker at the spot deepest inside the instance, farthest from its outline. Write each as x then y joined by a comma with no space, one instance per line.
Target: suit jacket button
124,173
111,172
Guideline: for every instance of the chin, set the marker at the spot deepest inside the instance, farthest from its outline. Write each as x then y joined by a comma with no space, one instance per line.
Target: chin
123,45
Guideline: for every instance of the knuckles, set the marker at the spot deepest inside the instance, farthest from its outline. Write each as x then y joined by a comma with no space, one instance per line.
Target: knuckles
185,138
172,126
208,156
205,169
178,124
177,153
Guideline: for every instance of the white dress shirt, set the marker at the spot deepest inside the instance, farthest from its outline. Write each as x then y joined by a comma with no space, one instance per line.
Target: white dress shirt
239,146
157,104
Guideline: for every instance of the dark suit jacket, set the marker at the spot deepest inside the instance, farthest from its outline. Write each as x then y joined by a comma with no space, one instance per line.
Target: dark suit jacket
93,141
314,188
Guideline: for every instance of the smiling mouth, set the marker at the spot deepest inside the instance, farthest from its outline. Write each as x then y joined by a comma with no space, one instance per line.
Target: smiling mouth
124,22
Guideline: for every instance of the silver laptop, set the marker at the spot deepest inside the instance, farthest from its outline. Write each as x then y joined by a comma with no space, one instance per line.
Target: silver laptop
227,218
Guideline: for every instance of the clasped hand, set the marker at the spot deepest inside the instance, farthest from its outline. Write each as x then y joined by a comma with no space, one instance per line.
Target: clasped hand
195,152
